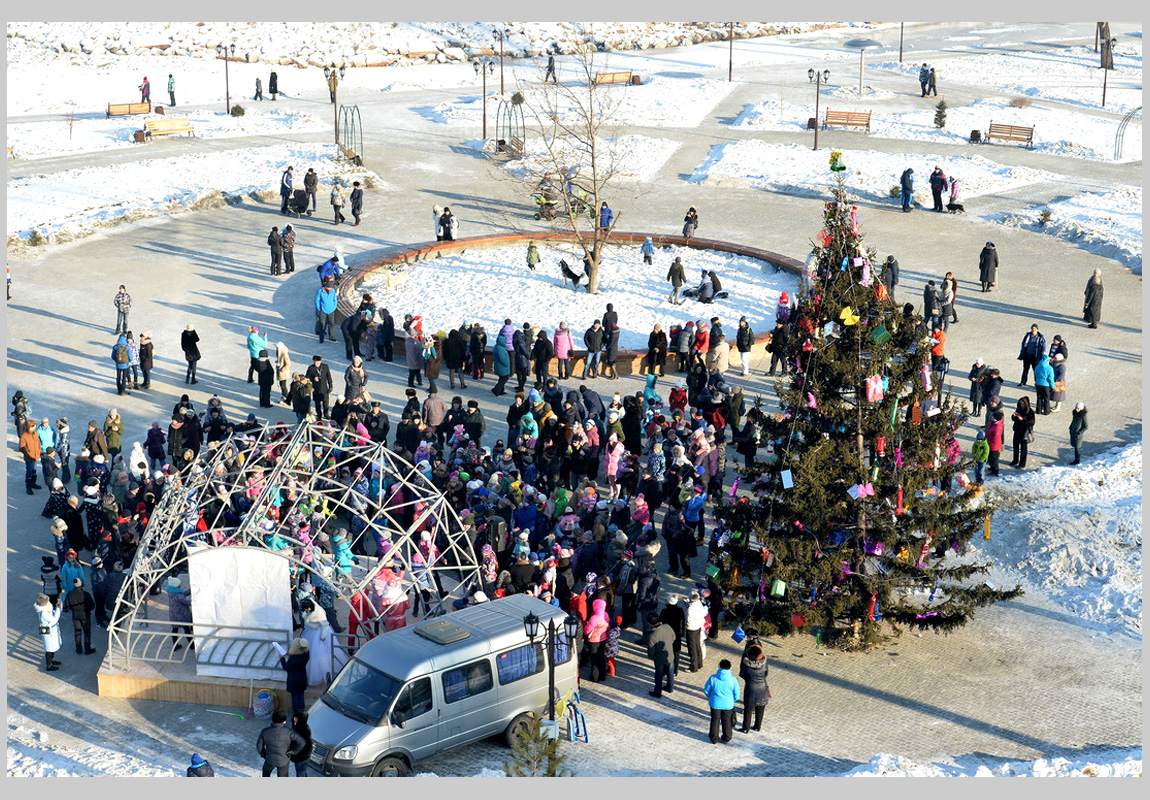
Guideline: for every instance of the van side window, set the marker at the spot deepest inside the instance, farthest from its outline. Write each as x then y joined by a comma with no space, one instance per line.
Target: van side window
415,699
562,648
467,681
522,662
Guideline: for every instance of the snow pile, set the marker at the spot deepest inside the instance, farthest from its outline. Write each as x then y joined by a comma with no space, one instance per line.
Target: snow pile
852,93
869,175
1067,74
662,101
490,285
76,203
87,132
28,760
1056,131
1106,223
1076,532
1111,764
632,158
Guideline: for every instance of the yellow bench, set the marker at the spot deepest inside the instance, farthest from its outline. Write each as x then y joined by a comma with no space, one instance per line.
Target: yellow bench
856,119
124,109
1012,133
162,127
612,77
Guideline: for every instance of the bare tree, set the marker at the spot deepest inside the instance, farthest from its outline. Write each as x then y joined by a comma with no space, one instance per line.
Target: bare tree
70,116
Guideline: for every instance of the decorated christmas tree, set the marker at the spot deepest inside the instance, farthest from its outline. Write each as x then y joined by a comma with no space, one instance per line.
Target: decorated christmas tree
861,511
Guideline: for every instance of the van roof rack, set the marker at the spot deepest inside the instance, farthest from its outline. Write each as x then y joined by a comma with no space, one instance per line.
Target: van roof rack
441,631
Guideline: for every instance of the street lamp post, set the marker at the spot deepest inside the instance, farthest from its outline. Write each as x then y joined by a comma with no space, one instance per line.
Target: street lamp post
223,52
1109,44
900,26
333,76
482,67
499,35
819,79
730,51
570,629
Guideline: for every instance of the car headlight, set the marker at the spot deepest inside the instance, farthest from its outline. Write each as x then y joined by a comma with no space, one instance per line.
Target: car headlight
346,753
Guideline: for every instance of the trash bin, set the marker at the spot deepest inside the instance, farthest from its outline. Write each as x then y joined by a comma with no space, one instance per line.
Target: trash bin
159,109
975,137
812,123
636,80
139,136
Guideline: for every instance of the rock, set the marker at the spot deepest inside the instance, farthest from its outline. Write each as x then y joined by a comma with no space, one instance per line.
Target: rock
454,54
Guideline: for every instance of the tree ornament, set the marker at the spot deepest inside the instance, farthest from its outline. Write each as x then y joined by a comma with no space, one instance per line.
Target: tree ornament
873,607
898,509
925,549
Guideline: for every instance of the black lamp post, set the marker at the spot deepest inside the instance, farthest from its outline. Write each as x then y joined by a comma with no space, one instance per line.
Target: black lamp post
819,79
223,53
499,34
730,51
1109,45
570,629
334,75
482,67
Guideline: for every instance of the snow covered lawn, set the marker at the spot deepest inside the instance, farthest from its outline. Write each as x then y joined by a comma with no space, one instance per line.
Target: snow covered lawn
631,158
869,175
1106,223
489,286
1110,764
68,205
1076,532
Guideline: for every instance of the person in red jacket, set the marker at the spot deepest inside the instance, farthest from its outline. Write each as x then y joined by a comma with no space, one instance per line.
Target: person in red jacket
994,438
678,396
701,342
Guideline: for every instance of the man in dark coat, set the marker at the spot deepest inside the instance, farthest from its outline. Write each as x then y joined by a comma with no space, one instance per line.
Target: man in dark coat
386,336
320,376
266,374
906,182
81,605
475,425
522,363
777,347
937,182
988,267
285,189
660,642
377,423
674,616
647,600
890,274
199,768
1033,345
276,745
1092,307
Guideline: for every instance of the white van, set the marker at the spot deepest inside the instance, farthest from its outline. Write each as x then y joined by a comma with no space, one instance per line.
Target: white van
442,683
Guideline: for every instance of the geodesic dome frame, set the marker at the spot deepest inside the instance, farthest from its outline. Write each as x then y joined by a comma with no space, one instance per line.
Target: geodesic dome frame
255,489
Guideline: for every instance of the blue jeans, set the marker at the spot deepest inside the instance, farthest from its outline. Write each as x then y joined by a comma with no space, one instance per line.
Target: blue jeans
906,197
664,672
979,466
592,363
121,321
29,473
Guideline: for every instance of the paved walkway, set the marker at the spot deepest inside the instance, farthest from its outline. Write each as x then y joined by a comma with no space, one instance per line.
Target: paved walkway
1003,686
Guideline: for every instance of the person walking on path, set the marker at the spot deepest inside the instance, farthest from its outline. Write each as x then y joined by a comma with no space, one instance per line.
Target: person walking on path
937,187
1078,427
564,348
677,276
48,617
145,91
321,384
273,84
647,250
413,352
532,256
593,339
690,223
285,182
287,245
198,768
337,204
906,183
978,371
447,226
979,454
1043,384
1022,423
81,605
1092,307
121,357
1033,345
722,691
283,370
606,216
123,303
949,297
276,243
171,90
326,300
276,745
756,694
932,83
660,645
189,343
550,73
311,186
924,78
988,267
890,274
744,339
356,202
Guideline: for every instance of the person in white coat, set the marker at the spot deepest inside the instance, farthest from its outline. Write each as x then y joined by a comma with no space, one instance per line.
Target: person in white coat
325,659
696,618
48,614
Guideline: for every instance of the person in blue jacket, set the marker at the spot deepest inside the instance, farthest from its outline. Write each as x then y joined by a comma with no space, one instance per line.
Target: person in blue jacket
255,343
285,189
326,299
120,358
693,511
330,269
1043,384
722,690
606,215
648,251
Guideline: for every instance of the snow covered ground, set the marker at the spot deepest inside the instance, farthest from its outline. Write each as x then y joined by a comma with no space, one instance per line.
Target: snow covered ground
1106,223
1068,75
1075,533
489,286
795,168
1110,764
72,204
630,158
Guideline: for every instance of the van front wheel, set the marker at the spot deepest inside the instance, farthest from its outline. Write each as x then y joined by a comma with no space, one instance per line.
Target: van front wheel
519,729
390,768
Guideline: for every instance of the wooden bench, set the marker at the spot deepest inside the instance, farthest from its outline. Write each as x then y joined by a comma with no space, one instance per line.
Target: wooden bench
1012,133
612,77
11,152
853,119
162,127
124,109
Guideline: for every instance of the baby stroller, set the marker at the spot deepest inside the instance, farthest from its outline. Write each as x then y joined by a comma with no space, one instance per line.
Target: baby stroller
299,202
547,198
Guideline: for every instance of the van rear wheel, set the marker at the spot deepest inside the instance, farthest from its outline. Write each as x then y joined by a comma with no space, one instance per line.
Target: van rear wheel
390,768
519,729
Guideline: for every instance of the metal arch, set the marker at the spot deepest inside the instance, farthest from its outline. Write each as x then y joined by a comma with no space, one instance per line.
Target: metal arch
351,134
510,130
231,492
1122,131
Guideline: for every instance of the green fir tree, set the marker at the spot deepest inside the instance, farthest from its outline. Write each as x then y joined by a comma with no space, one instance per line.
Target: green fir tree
536,755
940,114
812,555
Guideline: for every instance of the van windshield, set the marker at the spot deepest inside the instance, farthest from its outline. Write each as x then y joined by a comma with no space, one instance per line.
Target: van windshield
362,692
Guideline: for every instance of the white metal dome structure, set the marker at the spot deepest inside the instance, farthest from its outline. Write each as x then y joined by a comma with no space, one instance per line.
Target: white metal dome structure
320,498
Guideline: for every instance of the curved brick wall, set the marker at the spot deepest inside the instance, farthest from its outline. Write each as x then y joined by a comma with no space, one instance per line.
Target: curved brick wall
628,363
